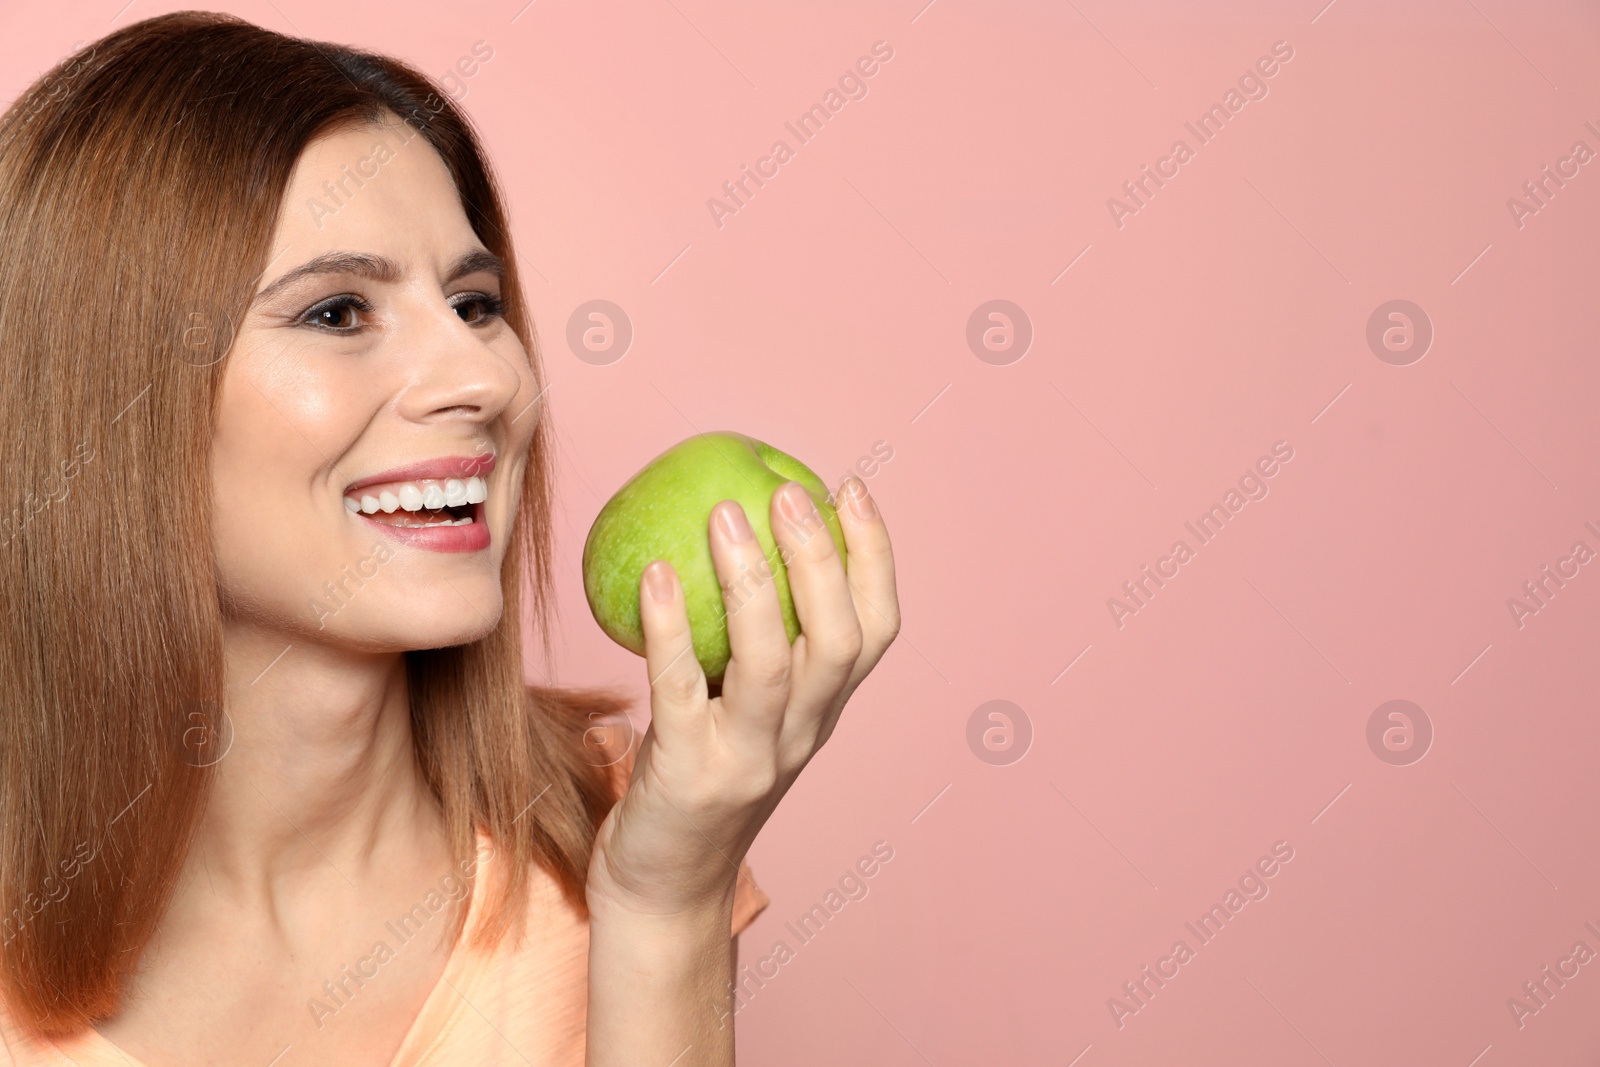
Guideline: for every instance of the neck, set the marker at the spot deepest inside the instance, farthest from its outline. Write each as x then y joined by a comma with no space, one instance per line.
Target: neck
321,781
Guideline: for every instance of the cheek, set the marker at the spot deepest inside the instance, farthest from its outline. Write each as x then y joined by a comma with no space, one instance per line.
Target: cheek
280,429
527,407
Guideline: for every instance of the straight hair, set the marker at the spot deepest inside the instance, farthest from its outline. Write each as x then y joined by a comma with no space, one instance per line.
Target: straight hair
141,181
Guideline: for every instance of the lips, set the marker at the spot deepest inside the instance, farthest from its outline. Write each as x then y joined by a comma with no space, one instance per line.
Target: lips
443,469
435,504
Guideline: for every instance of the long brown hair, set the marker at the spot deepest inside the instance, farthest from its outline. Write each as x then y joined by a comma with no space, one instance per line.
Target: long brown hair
140,184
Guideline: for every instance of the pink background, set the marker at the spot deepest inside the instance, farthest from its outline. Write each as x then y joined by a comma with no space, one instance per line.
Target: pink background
1229,313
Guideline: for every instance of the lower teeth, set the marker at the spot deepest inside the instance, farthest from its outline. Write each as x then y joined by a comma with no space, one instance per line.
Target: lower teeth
424,525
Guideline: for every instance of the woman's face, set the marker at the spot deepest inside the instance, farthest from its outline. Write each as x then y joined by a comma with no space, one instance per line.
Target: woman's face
376,412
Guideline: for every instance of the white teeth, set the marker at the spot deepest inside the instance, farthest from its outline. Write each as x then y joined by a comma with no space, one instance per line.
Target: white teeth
428,493
428,525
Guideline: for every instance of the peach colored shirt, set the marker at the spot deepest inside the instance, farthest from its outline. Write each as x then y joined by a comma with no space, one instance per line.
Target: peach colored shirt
510,1006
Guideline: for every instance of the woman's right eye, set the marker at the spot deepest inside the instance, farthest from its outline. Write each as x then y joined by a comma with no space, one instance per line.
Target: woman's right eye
330,314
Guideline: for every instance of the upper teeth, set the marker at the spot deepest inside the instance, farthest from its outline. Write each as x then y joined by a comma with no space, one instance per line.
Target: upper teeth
430,493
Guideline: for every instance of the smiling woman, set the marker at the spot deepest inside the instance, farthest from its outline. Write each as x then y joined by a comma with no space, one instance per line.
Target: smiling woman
261,675
215,789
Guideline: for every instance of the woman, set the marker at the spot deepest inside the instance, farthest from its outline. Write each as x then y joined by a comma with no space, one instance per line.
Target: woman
275,790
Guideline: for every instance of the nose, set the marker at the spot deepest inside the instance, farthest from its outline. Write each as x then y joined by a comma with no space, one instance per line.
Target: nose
456,369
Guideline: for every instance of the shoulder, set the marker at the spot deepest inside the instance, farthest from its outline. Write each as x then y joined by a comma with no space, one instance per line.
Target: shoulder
20,1048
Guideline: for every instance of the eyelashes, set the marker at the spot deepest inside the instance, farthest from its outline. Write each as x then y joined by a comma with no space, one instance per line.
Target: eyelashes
335,306
491,307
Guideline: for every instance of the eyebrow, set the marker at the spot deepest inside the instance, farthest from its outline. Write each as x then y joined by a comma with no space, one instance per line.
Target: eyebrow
378,269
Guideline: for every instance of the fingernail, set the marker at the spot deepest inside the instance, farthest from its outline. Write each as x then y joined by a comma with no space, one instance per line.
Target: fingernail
735,527
797,502
860,502
658,579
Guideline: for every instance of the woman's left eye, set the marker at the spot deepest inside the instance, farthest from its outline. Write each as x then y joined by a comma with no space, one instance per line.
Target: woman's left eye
489,307
334,310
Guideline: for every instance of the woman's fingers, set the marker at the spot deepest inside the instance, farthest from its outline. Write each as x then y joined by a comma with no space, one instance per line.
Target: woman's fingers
755,686
831,636
870,577
677,682
848,618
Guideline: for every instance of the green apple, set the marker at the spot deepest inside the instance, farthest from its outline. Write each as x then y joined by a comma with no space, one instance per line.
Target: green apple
663,513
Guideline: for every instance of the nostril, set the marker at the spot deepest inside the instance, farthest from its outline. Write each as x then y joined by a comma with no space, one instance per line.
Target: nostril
459,409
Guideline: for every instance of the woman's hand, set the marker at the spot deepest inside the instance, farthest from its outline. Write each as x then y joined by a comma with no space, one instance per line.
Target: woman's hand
712,769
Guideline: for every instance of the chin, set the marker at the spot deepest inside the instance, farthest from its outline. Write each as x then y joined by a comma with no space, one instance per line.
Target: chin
401,630
465,628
